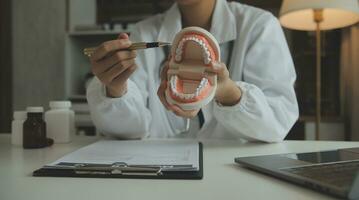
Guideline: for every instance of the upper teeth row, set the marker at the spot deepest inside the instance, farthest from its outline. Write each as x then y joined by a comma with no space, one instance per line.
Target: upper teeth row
173,83
205,52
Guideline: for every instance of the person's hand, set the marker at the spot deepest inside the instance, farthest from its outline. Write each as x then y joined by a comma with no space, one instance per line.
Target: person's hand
174,108
112,66
227,93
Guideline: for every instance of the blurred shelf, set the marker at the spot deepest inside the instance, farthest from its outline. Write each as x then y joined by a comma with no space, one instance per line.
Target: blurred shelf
93,33
78,98
309,118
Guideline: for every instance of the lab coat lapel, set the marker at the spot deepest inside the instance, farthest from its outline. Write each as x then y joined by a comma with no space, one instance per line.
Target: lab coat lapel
223,26
171,25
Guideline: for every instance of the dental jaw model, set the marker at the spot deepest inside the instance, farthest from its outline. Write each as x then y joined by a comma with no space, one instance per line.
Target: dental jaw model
190,85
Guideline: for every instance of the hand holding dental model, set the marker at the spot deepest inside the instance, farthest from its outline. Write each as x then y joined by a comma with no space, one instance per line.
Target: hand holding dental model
194,75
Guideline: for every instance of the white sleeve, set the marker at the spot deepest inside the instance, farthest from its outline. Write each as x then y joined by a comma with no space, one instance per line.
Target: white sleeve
125,117
268,107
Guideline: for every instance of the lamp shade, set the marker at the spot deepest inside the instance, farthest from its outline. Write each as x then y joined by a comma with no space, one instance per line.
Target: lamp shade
299,15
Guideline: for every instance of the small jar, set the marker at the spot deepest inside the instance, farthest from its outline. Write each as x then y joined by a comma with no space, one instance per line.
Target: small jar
16,127
60,121
34,129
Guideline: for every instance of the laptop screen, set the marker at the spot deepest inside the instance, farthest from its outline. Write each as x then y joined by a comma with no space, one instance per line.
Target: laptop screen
325,156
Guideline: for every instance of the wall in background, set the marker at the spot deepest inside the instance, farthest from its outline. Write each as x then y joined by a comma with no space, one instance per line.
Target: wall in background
5,66
350,82
38,51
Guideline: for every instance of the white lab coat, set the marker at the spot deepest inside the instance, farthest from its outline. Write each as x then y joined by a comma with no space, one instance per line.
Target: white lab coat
261,65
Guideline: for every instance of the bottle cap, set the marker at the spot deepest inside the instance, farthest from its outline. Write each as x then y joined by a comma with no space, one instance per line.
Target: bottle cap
35,109
20,115
60,104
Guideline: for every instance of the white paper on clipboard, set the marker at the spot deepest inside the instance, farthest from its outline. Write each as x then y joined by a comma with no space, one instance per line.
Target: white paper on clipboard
137,152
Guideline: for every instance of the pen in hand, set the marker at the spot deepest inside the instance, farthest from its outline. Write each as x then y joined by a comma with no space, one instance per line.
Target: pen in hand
140,45
113,62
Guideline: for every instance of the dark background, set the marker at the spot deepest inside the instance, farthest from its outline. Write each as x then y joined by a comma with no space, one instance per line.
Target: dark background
5,66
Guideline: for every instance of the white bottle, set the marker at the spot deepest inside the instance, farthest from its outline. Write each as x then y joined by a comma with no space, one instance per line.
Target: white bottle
16,127
60,121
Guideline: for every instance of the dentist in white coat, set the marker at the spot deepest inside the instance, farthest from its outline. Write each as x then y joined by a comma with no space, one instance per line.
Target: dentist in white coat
255,98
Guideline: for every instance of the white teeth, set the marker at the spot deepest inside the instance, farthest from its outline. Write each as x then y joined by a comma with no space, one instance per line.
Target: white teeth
206,54
201,86
173,83
206,58
186,96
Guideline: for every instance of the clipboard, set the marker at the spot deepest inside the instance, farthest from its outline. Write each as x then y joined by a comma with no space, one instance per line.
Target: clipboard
123,170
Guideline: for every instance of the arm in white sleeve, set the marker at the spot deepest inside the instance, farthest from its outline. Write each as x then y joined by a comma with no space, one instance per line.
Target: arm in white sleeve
127,116
268,107
124,117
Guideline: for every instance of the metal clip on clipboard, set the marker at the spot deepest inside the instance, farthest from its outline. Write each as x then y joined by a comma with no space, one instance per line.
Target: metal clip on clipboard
118,168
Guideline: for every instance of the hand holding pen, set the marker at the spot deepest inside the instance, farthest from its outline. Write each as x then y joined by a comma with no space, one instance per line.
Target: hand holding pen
112,66
113,62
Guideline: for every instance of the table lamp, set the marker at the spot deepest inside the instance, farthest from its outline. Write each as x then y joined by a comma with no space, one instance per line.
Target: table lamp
317,15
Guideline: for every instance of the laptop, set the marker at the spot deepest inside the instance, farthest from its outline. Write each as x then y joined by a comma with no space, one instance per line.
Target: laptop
331,172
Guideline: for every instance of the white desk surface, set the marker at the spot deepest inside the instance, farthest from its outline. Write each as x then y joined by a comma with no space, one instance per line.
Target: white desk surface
222,178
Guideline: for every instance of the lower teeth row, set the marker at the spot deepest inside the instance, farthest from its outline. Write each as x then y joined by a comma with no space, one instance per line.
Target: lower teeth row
173,83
